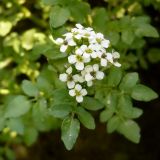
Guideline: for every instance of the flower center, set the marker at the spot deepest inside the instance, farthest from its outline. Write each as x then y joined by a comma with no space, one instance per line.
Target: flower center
93,73
77,93
69,78
88,50
98,40
79,58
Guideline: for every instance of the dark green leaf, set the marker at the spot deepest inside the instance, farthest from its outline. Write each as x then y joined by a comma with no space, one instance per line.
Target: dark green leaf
60,110
92,104
59,16
128,36
79,10
30,136
129,81
130,130
70,130
154,55
143,93
125,107
29,88
106,115
16,124
147,30
50,2
86,118
113,124
114,77
18,106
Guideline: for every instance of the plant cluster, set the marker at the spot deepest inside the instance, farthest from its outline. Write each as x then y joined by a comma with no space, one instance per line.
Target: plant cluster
35,63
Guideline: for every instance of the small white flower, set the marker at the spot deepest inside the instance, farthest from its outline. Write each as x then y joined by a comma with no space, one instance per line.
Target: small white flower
78,59
67,77
78,92
65,43
88,51
91,73
78,78
99,38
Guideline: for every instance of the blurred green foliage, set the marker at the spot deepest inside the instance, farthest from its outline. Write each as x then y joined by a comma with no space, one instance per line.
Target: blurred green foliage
33,100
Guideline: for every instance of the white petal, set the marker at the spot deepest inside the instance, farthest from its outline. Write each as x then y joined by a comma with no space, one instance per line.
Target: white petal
95,67
68,35
80,66
72,59
103,62
86,60
70,84
63,48
83,47
78,51
63,77
79,26
99,75
99,35
72,92
78,87
117,64
79,99
78,78
105,43
86,55
88,77
84,92
78,36
71,42
69,70
89,29
88,68
83,73
59,41
116,55
89,83
94,55
109,57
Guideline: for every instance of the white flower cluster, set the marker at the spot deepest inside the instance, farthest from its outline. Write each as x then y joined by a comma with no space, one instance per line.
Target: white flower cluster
87,56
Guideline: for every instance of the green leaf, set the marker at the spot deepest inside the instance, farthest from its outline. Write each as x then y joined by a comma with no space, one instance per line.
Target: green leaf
60,110
30,136
59,16
137,112
113,36
125,107
61,95
129,81
147,30
86,118
130,130
153,55
100,18
113,124
16,124
18,106
50,2
79,10
114,76
70,130
40,115
29,88
92,104
128,36
143,93
106,115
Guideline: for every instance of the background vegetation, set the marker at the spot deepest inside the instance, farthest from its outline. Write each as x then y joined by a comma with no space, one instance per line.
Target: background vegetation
30,64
